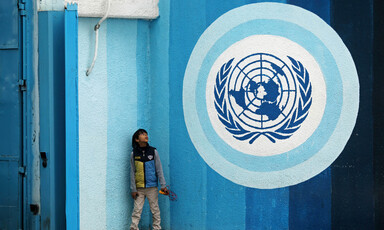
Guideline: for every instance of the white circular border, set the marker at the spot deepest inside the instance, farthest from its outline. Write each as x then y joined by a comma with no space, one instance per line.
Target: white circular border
336,142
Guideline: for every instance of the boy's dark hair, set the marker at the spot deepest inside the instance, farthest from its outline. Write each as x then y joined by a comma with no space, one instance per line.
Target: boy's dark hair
136,136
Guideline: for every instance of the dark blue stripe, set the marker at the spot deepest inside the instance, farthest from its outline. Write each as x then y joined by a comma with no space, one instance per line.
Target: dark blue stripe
319,7
310,201
52,97
378,111
352,172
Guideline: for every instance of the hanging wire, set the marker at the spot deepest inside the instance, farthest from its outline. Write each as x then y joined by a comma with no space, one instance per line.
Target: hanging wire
97,27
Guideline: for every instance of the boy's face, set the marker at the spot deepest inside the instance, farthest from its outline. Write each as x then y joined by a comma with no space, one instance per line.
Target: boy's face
142,140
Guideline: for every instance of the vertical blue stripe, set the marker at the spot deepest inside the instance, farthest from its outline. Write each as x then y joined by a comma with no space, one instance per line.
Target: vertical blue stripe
71,118
143,96
122,118
310,201
93,121
321,8
160,123
352,172
226,204
188,170
260,1
222,194
52,130
378,111
216,8
46,84
143,76
267,209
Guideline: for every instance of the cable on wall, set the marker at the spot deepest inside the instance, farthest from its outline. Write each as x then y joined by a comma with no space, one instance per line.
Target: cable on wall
97,27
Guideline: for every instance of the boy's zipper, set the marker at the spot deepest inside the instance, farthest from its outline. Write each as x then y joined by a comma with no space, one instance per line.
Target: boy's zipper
145,181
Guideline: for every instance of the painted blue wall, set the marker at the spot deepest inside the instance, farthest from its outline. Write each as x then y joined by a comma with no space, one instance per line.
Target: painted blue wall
208,201
160,90
120,91
137,82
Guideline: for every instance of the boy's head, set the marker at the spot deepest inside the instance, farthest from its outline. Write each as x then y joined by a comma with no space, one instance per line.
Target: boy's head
140,138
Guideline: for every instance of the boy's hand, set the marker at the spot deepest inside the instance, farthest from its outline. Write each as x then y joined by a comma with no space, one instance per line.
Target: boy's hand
165,191
134,195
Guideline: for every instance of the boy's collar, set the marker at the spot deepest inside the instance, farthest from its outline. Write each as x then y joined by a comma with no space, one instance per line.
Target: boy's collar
143,148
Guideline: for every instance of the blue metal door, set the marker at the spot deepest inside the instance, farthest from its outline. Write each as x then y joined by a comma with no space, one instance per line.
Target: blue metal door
11,118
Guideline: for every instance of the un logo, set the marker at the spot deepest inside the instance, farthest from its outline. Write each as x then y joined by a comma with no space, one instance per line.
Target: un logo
270,95
261,95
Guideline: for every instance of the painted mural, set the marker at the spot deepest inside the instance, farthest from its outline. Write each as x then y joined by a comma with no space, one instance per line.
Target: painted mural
270,95
249,105
267,114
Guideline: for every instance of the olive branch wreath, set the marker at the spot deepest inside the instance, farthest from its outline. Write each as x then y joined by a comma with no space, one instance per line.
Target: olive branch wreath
287,129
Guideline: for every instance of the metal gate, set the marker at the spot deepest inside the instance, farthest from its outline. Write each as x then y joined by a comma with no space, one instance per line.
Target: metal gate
11,117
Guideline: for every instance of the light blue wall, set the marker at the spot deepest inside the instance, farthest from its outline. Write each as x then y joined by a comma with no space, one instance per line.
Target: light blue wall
114,101
122,119
93,121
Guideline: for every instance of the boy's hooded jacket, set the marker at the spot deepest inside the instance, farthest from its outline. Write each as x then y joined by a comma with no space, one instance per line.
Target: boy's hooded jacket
146,168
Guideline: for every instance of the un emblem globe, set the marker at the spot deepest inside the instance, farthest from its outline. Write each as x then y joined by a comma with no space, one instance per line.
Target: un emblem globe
262,90
226,83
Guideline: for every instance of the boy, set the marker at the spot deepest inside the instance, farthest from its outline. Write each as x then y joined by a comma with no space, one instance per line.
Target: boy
146,170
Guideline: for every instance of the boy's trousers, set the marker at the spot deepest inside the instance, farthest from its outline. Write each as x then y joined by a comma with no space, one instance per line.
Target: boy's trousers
152,195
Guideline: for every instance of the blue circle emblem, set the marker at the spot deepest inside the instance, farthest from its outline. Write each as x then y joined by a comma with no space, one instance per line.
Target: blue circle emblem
270,95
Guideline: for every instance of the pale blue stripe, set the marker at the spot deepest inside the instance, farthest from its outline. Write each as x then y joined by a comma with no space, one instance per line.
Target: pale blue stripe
92,93
122,118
